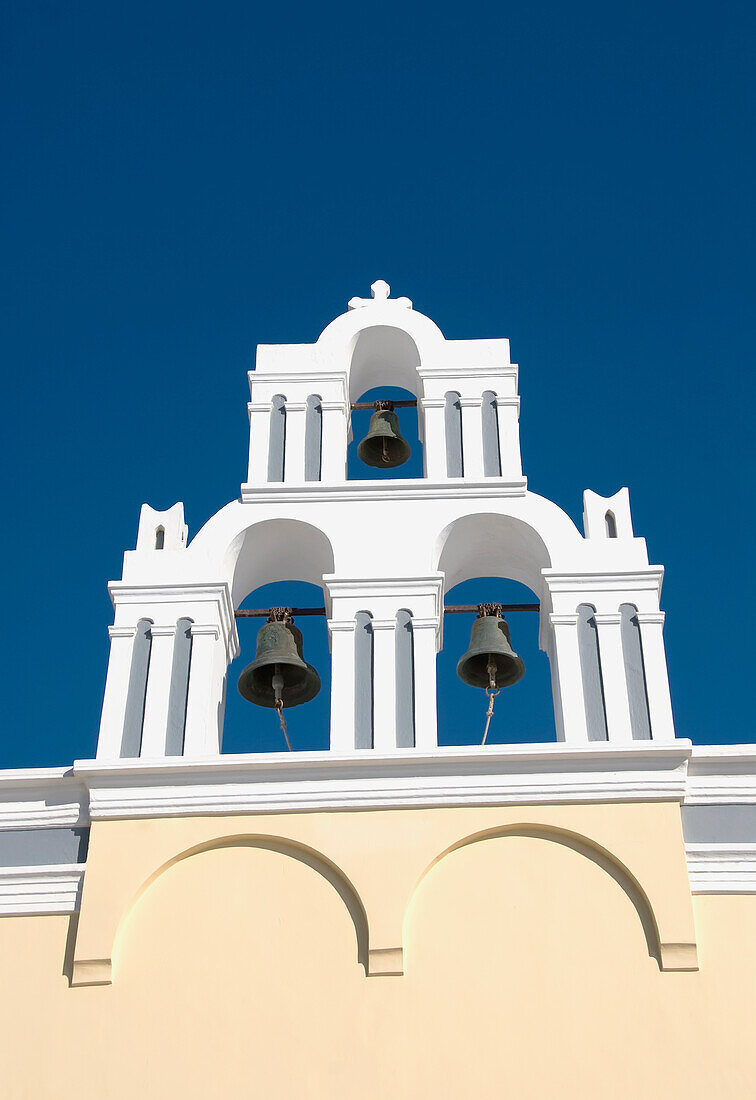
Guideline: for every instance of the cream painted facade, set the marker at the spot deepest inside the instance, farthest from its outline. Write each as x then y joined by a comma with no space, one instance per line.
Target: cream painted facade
383,919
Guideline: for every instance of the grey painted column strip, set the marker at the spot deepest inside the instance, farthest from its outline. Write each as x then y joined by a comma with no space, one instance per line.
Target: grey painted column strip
490,426
313,437
363,681
182,652
632,651
590,667
405,681
277,441
453,426
131,740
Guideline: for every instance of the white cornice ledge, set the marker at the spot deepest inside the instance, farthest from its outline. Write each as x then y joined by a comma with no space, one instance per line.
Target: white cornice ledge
722,775
396,490
42,798
31,890
721,868
278,782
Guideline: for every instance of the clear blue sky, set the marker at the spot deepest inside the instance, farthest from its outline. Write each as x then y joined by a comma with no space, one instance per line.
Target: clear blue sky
183,181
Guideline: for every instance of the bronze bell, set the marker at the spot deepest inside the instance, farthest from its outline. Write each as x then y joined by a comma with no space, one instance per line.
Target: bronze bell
384,445
490,656
279,671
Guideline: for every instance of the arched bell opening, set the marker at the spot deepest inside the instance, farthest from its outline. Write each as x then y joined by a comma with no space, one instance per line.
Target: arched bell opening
523,712
365,425
249,728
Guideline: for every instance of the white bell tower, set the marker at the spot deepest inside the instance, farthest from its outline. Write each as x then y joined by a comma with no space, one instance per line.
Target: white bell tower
298,517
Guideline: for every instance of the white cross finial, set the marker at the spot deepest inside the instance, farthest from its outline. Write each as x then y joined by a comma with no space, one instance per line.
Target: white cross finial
379,292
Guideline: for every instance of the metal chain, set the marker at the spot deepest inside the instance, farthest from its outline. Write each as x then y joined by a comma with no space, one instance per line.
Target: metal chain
280,615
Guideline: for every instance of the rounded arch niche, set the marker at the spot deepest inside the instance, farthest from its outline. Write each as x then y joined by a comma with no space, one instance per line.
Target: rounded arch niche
383,356
631,891
289,849
274,550
489,545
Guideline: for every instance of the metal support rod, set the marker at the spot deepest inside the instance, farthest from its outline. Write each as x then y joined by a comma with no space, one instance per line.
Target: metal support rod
372,404
468,608
454,609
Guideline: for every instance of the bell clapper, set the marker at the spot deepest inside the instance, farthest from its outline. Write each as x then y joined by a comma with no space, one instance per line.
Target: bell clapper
491,691
277,683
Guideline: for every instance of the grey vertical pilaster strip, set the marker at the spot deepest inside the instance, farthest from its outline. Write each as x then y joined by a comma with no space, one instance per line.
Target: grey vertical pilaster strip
405,681
363,681
632,651
490,425
453,426
590,667
131,740
182,655
277,442
313,437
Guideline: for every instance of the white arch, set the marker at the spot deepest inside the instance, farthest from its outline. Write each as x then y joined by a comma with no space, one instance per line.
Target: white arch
518,547
274,550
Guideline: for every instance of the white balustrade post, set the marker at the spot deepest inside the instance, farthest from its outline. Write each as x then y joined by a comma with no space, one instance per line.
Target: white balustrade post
116,692
201,729
259,441
472,436
651,625
434,437
424,634
155,724
384,685
333,452
507,412
342,685
294,460
613,678
567,681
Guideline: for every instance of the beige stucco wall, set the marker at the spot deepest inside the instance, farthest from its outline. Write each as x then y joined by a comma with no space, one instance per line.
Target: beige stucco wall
528,970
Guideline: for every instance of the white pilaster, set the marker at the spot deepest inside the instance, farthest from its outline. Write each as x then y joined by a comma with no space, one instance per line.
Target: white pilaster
259,442
424,635
508,413
342,684
294,462
472,437
651,624
201,730
613,677
333,454
158,692
116,692
434,437
384,685
567,681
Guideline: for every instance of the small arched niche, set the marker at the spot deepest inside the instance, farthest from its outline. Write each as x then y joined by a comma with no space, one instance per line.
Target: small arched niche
384,356
357,470
250,728
275,548
524,712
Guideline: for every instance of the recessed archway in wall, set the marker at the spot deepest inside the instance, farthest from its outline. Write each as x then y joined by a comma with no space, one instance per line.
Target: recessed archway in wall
524,712
249,728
